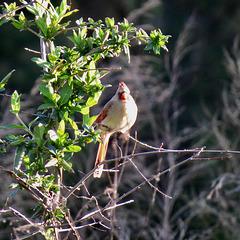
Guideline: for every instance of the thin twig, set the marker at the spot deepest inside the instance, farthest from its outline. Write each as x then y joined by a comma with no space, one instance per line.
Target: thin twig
159,151
79,227
86,70
90,215
22,216
209,159
5,95
31,50
16,9
146,180
144,144
151,203
26,186
26,236
72,227
160,174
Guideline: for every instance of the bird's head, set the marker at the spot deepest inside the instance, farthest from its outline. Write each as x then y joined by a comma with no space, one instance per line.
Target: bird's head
123,91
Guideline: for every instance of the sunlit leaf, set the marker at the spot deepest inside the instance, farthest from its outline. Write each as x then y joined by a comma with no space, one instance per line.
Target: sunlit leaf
53,135
39,131
5,79
66,166
15,102
11,126
19,155
52,163
73,148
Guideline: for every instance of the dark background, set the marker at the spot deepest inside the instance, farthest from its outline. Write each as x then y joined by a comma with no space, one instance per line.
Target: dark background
205,194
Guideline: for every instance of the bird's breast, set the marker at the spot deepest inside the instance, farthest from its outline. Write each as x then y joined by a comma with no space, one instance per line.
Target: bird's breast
121,116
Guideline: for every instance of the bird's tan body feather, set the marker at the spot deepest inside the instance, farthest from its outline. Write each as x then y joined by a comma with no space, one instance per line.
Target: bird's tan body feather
118,115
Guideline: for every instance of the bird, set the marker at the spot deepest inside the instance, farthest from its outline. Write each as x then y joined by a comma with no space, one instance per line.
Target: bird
118,115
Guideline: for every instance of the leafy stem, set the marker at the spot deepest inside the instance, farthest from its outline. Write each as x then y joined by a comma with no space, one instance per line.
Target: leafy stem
23,124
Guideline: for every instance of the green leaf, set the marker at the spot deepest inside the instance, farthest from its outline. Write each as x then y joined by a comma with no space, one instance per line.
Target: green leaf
5,79
70,13
40,62
39,131
73,148
41,23
22,17
157,41
52,150
12,126
17,24
14,193
48,92
92,70
11,137
63,7
15,102
46,106
19,155
85,118
74,126
52,163
109,22
67,156
32,9
85,110
61,126
65,94
93,100
66,166
2,22
13,185
16,141
32,122
90,120
148,47
45,91
27,161
63,115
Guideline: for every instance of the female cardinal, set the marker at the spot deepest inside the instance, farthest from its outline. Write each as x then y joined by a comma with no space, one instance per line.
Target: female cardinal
118,115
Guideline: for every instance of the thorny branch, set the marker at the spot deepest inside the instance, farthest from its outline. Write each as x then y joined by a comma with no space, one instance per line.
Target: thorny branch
194,156
159,150
34,192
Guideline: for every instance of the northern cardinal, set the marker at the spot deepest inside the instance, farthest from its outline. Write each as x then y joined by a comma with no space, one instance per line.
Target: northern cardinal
118,115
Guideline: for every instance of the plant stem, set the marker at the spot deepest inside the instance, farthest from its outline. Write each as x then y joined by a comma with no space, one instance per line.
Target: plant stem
26,128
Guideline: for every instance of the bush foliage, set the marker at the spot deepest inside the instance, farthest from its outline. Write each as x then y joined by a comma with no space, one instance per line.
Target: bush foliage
70,85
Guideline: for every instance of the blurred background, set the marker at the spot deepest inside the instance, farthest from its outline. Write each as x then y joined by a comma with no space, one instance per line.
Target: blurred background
188,98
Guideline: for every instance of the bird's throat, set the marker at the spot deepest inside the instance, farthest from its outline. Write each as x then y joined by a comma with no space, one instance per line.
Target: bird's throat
123,96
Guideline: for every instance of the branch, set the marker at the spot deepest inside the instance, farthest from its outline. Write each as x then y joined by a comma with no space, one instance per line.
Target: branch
27,187
157,151
146,180
16,9
165,150
91,214
22,216
87,216
160,174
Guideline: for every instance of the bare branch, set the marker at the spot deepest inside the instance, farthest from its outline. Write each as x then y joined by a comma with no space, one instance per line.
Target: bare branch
146,180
